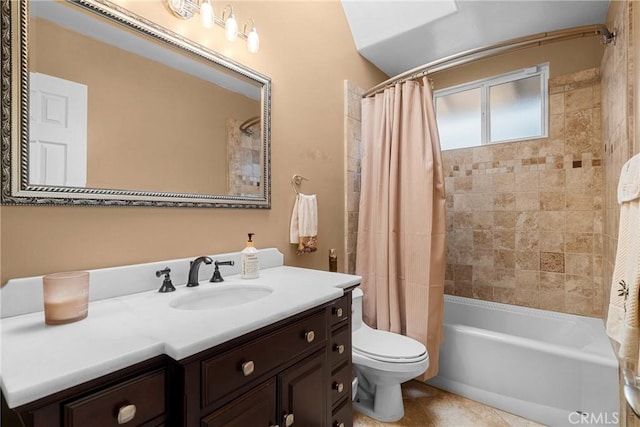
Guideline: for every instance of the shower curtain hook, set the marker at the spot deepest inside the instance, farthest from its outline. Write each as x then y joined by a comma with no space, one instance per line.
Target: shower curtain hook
296,181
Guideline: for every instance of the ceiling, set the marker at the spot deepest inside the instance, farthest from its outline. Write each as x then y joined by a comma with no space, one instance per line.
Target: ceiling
400,35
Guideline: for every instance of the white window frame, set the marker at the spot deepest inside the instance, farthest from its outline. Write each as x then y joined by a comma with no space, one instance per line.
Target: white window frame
486,83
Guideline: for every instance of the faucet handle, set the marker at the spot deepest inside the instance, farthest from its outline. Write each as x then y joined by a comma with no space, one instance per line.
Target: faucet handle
167,286
217,277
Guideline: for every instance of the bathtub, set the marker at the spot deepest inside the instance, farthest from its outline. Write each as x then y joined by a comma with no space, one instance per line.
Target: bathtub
553,368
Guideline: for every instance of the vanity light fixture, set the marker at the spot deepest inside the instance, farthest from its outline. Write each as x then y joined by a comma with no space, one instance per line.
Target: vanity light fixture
187,9
230,24
253,41
206,14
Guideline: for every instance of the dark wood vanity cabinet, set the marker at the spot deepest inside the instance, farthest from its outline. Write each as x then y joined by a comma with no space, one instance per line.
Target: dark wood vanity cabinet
134,396
341,368
296,372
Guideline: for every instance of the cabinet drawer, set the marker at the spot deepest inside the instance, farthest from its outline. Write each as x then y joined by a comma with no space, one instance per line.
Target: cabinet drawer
340,384
145,393
340,349
343,415
341,309
255,408
227,372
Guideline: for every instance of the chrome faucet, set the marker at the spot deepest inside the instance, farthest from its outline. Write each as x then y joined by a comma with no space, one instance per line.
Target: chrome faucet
194,268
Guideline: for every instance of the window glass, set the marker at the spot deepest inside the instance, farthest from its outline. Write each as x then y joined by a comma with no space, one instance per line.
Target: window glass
507,107
459,119
515,109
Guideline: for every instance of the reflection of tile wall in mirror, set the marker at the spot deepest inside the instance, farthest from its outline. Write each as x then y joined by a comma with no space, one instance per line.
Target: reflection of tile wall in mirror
244,154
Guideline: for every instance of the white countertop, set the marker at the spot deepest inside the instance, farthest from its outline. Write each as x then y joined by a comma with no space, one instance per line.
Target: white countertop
38,360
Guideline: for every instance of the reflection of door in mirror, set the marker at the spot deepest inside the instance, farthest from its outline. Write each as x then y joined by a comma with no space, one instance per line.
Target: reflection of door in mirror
57,132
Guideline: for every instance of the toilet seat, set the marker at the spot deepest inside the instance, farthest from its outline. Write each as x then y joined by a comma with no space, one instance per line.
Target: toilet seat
387,346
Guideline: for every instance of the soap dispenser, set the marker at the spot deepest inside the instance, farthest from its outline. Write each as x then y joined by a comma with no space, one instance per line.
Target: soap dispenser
250,264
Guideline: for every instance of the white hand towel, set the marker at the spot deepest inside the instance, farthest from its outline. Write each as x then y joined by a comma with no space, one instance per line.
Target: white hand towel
623,316
304,224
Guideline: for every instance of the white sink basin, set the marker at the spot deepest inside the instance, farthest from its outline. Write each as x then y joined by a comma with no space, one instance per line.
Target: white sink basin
220,296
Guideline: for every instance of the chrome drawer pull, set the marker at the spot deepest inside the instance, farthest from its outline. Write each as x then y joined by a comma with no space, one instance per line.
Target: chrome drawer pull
337,312
288,420
126,413
339,387
338,424
309,336
339,348
248,368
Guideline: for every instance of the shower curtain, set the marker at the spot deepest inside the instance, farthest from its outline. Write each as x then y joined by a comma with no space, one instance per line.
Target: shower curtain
401,229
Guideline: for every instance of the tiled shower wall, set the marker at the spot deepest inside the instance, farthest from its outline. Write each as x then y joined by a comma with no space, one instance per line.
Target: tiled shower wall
620,141
353,143
524,219
616,119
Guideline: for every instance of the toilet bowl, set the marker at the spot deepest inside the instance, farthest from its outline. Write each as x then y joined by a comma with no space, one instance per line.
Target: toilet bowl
382,361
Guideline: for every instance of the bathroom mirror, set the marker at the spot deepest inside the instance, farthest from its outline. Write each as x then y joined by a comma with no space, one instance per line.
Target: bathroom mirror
102,107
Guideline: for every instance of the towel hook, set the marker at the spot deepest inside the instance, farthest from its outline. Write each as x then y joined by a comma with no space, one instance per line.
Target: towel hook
296,181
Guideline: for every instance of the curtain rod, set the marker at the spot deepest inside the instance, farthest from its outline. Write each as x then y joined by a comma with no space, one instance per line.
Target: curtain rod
495,49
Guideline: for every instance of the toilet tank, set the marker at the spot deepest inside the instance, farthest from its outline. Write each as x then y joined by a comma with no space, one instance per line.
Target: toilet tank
356,309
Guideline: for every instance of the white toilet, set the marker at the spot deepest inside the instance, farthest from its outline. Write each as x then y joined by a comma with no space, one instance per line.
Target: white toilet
382,361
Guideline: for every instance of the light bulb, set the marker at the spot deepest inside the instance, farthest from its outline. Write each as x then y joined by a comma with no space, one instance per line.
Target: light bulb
231,28
253,41
206,14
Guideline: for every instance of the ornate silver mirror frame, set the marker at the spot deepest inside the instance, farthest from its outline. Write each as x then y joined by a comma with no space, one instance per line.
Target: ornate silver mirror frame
16,189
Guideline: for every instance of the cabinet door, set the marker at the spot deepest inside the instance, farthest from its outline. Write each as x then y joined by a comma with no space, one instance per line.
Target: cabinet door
303,393
256,408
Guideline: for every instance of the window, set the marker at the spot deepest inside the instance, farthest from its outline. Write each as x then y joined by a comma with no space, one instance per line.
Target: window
508,107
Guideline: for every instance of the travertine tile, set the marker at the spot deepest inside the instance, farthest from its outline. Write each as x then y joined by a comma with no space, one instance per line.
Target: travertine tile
556,103
504,202
580,285
552,282
580,222
579,264
579,243
503,258
462,184
463,219
504,239
552,180
483,220
578,99
482,239
504,182
552,200
527,241
527,260
527,279
528,201
552,261
505,220
527,221
551,221
551,241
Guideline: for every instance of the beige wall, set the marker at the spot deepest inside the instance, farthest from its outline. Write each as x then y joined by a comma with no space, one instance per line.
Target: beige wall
150,127
564,57
307,50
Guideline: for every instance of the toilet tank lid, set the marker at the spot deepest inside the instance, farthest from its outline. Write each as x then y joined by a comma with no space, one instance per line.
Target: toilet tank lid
387,346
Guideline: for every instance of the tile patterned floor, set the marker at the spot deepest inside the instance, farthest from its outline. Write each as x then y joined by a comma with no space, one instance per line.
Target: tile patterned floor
427,406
